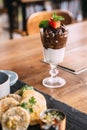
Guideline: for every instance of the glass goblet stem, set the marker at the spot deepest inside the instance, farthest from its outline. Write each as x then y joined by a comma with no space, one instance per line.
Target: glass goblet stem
54,71
54,81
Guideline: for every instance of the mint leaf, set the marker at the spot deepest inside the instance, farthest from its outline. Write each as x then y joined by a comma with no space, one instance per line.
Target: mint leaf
44,24
57,18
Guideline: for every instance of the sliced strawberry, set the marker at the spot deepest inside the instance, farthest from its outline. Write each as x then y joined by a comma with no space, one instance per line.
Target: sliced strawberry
54,24
55,21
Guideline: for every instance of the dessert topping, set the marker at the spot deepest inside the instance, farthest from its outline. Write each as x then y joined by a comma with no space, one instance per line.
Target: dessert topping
54,24
55,21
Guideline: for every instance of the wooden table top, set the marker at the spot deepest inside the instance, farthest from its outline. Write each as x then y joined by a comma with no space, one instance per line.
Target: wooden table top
24,56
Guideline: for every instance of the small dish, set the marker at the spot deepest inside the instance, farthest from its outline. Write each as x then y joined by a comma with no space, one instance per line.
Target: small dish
4,84
53,119
12,75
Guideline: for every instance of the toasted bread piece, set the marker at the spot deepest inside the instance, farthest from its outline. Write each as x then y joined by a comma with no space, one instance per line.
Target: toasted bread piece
5,104
16,118
38,107
15,96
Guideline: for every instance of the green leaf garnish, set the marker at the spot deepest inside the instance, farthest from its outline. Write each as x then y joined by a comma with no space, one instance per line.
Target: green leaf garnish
57,18
32,100
24,88
44,24
31,110
24,105
29,105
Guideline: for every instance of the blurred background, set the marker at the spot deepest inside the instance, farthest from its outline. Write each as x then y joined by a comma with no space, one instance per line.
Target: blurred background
12,13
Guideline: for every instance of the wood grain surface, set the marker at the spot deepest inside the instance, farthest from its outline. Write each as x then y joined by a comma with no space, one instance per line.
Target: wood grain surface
24,56
76,58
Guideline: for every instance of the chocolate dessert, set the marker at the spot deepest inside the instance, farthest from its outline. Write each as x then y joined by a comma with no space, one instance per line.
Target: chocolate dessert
54,35
54,38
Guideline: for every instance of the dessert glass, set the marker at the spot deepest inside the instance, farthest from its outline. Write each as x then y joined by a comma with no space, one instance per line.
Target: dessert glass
54,43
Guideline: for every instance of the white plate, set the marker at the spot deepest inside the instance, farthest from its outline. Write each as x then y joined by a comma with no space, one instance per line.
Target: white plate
12,75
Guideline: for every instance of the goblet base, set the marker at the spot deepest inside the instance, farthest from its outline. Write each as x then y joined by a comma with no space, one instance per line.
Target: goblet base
55,82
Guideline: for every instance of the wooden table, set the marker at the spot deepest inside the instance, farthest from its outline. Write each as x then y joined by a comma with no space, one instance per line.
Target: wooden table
24,56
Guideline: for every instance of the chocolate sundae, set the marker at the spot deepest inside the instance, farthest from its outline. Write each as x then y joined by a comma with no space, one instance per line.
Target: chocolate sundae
54,37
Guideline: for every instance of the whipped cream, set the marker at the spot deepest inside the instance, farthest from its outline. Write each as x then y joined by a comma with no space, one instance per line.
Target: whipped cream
53,56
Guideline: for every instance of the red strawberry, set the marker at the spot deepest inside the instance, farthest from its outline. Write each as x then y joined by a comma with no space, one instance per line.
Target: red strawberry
55,21
54,24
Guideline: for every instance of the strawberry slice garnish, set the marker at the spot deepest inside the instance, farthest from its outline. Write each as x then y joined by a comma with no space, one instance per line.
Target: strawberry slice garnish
54,24
55,21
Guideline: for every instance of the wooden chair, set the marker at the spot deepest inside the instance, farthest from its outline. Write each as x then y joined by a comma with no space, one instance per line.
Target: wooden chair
34,19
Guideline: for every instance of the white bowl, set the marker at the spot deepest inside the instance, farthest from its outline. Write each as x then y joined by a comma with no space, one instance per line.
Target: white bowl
4,84
13,76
